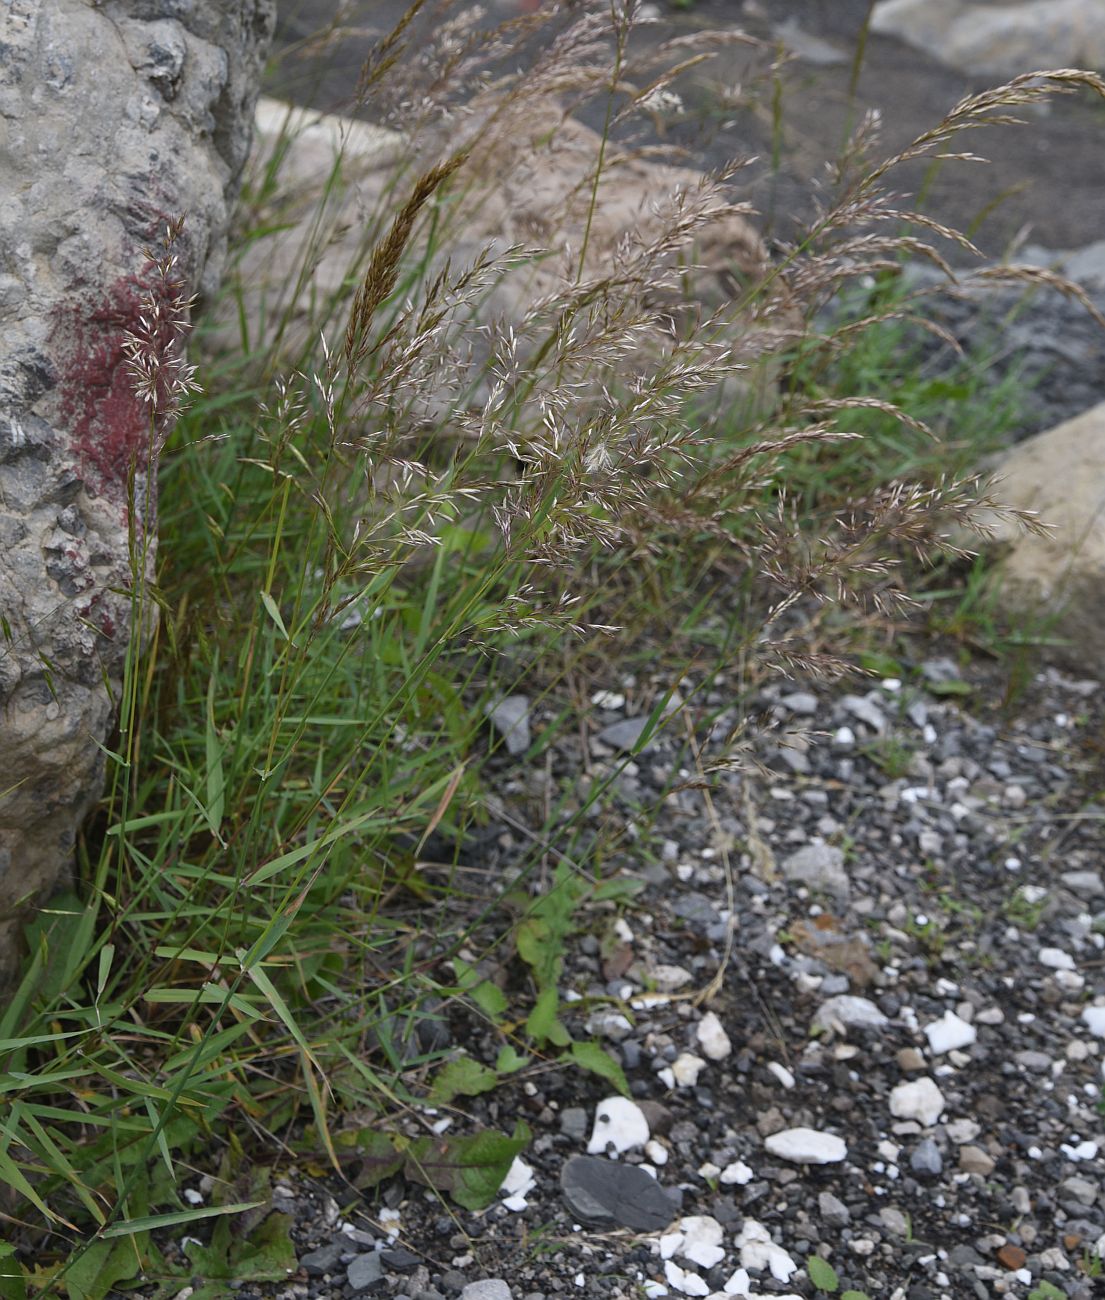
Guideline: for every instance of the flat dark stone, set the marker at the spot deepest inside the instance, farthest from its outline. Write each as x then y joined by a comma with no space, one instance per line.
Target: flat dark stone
606,1192
323,1260
400,1260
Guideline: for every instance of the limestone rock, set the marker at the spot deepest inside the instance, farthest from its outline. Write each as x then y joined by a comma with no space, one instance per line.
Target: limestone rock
525,185
1057,580
117,116
999,40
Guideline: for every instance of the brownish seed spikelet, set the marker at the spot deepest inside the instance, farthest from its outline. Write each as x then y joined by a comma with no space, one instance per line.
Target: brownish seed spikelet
383,268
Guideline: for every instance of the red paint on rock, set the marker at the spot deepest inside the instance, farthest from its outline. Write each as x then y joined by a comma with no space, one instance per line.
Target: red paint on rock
108,423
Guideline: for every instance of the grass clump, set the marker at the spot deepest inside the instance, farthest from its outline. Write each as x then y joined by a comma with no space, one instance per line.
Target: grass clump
373,529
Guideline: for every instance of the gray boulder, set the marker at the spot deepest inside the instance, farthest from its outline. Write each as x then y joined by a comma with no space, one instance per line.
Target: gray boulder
999,39
1054,581
117,117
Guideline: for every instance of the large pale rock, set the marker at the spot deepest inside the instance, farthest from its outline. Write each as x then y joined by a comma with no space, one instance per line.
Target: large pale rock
113,117
1001,40
526,184
1057,580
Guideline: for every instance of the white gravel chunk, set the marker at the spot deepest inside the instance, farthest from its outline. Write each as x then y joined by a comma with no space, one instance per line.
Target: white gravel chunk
949,1033
1094,1020
782,1074
850,1011
702,1238
619,1123
737,1174
684,1282
712,1037
919,1099
669,978
686,1068
820,866
758,1251
609,1024
806,1146
1055,959
517,1185
962,1131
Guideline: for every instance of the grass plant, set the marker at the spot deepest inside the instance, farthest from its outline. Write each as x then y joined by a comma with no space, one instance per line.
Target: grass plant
276,902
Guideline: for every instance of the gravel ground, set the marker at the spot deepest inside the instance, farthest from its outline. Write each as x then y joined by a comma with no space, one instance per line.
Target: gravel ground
902,1069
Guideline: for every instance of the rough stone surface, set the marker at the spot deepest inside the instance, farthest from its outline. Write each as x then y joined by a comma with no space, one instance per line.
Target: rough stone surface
524,185
116,117
999,40
1058,578
607,1192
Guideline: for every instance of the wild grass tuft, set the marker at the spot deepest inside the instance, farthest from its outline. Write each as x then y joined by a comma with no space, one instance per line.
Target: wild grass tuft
365,545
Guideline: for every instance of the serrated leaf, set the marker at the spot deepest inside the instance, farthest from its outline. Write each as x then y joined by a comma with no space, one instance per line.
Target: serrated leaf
822,1274
267,1254
463,1077
490,999
509,1061
595,1057
470,1169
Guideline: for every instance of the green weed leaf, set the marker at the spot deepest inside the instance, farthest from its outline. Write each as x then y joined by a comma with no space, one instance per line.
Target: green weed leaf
1044,1291
461,1078
470,1169
13,1282
542,1024
509,1061
594,1057
380,1157
862,1295
267,1254
102,1266
822,1274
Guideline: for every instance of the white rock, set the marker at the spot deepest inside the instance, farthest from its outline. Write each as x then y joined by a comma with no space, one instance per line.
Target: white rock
759,1251
1056,959
520,1180
702,1236
962,1131
806,1146
949,1033
920,1099
820,866
739,1284
850,1011
738,1173
669,978
1094,1020
712,1037
684,1282
609,1024
656,1152
686,1068
782,1074
619,1123
608,700
1080,1151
